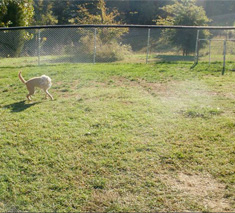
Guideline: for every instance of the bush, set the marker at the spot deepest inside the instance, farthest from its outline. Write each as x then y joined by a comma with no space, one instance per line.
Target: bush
110,51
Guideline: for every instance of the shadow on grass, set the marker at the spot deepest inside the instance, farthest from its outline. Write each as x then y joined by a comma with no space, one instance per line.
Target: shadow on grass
79,59
24,66
67,59
20,106
169,58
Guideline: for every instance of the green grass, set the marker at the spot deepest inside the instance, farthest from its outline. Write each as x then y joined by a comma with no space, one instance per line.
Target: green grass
118,137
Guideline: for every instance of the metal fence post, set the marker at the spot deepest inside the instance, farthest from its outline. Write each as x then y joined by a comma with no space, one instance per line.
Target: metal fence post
94,56
147,55
39,46
210,52
196,49
224,60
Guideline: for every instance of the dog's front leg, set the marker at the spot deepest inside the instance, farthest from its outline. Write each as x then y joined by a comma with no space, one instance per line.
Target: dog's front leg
47,93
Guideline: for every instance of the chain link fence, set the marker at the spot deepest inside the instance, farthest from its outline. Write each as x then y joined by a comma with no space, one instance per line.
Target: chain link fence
125,44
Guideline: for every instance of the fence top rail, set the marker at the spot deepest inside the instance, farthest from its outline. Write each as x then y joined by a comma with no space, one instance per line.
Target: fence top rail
203,39
121,26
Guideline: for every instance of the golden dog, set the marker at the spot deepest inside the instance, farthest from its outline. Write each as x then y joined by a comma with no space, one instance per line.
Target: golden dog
43,82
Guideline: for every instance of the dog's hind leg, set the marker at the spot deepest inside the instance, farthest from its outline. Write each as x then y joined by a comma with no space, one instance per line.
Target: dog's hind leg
31,92
28,96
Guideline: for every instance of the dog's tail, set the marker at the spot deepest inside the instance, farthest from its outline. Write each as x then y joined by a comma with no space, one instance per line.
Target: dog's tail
21,78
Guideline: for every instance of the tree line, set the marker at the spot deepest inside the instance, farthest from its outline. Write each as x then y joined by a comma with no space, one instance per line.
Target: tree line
161,12
44,12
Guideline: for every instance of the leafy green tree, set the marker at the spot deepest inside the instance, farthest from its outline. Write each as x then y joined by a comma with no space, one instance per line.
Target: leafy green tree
99,14
183,12
64,10
142,12
15,13
43,13
107,39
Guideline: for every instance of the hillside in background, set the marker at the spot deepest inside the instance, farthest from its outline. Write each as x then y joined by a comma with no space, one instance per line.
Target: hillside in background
131,11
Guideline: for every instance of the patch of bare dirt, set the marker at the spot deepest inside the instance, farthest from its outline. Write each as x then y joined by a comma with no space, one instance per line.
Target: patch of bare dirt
74,84
158,89
168,89
120,81
101,200
200,188
150,88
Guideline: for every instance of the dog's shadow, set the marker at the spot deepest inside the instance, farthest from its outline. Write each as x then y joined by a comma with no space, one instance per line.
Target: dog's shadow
20,106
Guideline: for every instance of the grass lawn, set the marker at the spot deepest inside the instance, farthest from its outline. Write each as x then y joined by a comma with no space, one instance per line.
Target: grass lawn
118,137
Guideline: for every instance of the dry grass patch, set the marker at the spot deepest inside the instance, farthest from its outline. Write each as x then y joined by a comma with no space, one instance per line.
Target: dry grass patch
111,200
203,189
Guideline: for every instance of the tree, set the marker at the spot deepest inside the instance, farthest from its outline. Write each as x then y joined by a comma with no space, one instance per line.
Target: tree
15,13
107,39
183,12
43,13
140,12
99,14
65,10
